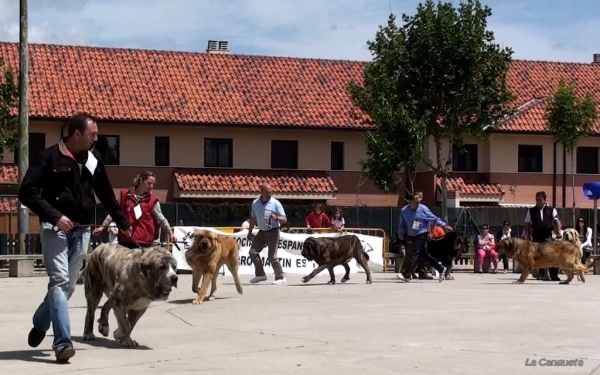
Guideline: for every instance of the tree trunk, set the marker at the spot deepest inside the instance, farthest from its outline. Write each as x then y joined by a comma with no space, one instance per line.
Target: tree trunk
573,186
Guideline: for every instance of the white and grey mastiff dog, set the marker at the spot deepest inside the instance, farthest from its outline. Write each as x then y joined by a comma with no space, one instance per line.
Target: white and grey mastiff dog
131,279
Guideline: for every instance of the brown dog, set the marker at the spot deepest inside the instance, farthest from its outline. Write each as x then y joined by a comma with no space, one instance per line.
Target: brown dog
208,253
532,255
329,252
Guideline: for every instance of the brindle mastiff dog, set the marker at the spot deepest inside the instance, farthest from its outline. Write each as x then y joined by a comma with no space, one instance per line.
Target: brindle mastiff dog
329,252
131,279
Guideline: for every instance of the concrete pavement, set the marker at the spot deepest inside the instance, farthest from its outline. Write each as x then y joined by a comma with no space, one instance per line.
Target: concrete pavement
474,324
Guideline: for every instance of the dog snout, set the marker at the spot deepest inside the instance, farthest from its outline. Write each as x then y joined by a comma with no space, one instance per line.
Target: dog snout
204,244
174,279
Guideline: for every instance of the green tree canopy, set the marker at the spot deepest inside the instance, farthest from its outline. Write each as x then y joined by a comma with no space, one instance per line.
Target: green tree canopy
440,74
9,101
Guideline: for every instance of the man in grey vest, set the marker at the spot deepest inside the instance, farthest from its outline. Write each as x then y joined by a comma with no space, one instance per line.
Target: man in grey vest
540,221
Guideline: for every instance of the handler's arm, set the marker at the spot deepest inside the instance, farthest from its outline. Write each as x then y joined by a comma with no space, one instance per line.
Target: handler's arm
280,213
160,218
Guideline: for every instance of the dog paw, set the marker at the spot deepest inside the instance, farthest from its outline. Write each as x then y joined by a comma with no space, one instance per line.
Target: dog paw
89,337
211,298
103,328
129,343
344,279
517,282
369,282
450,278
305,279
117,334
331,282
197,301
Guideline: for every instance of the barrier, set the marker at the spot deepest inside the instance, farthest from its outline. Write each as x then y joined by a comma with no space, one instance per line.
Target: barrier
289,249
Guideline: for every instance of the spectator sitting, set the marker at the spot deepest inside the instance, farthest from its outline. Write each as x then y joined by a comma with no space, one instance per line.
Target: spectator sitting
316,218
338,222
486,248
503,233
585,236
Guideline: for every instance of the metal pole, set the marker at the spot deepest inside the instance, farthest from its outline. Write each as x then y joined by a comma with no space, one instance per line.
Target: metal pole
595,235
23,212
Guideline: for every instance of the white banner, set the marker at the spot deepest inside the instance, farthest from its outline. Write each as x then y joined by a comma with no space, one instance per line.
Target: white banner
288,252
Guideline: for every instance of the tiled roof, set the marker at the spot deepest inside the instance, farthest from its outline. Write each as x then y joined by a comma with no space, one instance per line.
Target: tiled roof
8,204
201,88
529,118
470,184
237,181
9,174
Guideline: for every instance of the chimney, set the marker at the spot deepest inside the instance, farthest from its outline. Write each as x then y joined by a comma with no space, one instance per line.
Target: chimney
218,47
596,58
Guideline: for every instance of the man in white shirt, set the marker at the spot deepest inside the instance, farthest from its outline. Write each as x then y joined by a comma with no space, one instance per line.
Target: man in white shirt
268,214
541,221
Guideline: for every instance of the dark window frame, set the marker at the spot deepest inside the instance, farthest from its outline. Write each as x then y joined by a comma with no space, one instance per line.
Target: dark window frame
526,158
460,162
587,161
33,156
337,156
162,144
219,142
288,149
103,152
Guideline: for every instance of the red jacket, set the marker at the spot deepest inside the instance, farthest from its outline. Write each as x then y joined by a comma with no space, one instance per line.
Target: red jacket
145,229
316,220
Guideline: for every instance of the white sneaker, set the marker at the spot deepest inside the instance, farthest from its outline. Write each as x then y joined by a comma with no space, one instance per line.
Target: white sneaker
258,279
280,282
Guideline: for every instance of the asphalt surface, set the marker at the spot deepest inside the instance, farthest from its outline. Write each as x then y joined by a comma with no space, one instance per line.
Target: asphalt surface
472,325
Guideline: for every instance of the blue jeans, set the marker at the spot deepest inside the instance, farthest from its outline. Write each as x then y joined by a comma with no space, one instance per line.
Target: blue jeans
63,257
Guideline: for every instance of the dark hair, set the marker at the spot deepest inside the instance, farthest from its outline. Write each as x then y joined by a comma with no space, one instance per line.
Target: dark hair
541,194
485,226
506,222
585,225
78,121
340,211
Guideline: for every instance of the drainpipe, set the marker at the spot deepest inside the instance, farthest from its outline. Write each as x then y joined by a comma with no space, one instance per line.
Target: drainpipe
564,192
554,178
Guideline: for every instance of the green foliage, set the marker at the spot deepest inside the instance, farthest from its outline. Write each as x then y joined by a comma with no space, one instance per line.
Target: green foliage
440,74
570,117
9,101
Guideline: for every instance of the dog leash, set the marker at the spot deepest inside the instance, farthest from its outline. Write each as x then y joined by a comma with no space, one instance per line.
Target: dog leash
76,226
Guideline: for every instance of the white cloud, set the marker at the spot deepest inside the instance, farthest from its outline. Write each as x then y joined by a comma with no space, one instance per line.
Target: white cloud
333,29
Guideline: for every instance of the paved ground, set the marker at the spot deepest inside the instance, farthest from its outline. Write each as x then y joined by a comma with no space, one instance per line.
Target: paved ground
475,324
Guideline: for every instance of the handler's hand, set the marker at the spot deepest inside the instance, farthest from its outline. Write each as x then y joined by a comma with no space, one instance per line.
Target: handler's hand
98,231
448,227
558,236
64,224
127,232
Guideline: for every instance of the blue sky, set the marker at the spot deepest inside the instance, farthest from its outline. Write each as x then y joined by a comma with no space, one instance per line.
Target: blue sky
553,30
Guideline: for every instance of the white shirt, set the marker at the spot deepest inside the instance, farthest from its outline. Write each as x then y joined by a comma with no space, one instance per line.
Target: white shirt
246,224
554,214
338,223
112,233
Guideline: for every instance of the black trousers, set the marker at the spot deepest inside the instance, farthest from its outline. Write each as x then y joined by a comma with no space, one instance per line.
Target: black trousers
504,261
419,254
553,271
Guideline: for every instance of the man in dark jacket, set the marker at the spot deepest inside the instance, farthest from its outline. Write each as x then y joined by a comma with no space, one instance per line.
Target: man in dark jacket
60,190
540,221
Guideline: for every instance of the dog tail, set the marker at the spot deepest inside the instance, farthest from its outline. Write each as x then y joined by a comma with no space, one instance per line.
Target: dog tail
361,247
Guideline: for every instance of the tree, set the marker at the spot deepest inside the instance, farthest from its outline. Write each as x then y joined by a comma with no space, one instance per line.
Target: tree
9,101
443,73
570,118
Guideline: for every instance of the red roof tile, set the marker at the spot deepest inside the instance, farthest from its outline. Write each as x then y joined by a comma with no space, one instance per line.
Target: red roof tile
529,117
201,88
8,204
470,184
9,174
163,86
237,181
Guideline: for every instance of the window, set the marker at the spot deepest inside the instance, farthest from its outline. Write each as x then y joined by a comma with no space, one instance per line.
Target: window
218,152
284,154
530,158
108,147
37,144
337,156
161,151
465,159
587,160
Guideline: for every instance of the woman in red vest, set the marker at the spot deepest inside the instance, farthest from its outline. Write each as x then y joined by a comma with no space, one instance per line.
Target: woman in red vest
142,210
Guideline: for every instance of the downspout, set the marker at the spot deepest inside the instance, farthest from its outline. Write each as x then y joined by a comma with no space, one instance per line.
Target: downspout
554,177
564,189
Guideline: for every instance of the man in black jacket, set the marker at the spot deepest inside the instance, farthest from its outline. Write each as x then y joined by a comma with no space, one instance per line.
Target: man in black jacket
540,221
60,190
